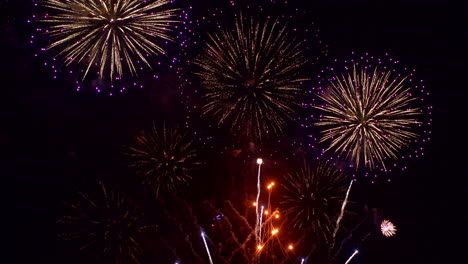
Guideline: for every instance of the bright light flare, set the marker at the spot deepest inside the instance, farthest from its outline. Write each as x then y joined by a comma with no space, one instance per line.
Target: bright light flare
270,186
275,231
290,247
259,161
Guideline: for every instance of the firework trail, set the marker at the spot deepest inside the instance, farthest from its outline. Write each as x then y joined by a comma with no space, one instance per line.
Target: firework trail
112,38
206,246
179,233
233,242
233,238
352,256
259,214
260,226
343,206
238,240
251,77
349,236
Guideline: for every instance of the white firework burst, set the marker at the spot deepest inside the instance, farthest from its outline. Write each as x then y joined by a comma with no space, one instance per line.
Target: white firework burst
388,228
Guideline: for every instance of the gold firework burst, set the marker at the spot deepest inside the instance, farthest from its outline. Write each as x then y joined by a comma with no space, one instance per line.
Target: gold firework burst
109,36
251,77
313,195
368,115
164,158
107,224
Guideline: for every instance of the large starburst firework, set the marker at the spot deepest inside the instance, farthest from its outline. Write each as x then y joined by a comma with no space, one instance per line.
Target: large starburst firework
370,114
111,38
165,158
107,223
251,77
387,228
313,196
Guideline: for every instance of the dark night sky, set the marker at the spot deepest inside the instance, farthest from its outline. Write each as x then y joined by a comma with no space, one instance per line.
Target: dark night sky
52,138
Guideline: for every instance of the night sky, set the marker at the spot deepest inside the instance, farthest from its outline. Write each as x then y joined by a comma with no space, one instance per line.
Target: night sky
53,139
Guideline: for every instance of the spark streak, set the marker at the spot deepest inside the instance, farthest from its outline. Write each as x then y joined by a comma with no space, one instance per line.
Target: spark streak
352,256
341,214
260,225
206,246
257,225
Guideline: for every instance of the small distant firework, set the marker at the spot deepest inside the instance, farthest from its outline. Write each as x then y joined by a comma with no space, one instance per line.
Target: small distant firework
388,228
313,197
113,39
251,77
371,112
107,222
165,158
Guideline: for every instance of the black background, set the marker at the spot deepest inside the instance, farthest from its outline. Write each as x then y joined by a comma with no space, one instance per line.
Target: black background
52,138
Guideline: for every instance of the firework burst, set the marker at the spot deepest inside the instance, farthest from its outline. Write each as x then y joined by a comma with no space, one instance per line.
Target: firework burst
251,77
371,113
112,39
387,228
108,222
313,197
165,158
